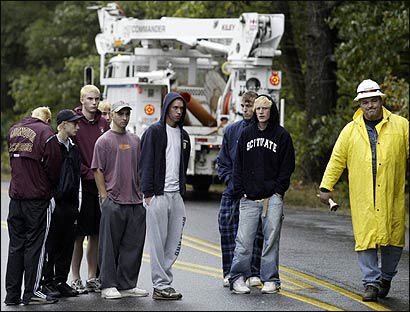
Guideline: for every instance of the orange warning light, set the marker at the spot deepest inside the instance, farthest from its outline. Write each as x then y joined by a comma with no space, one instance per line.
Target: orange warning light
274,78
149,109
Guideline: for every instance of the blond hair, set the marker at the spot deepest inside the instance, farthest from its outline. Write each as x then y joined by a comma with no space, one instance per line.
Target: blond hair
104,106
43,113
87,89
262,100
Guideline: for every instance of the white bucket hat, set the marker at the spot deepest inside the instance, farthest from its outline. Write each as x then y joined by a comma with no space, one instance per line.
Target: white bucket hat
368,88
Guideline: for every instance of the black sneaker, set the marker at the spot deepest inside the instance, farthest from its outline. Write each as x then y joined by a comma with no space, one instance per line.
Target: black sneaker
65,290
166,294
40,298
370,293
384,288
49,290
12,303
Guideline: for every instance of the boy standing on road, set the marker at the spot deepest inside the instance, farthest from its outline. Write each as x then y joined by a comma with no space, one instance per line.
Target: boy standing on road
92,126
165,149
228,217
122,229
265,160
60,241
35,161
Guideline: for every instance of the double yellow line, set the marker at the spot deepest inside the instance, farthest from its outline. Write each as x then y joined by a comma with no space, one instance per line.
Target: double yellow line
215,250
291,283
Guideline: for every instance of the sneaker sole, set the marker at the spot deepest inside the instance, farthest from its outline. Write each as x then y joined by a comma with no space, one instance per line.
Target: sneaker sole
241,292
35,302
12,303
165,298
111,297
134,295
269,291
157,297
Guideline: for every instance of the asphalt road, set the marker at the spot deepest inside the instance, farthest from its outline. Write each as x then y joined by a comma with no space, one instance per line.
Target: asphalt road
318,268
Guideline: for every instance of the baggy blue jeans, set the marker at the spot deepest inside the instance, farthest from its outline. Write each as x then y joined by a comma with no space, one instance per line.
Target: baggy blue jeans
249,213
369,264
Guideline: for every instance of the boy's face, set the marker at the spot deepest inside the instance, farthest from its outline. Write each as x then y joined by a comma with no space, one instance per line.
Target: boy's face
90,102
71,127
121,118
247,108
262,112
175,110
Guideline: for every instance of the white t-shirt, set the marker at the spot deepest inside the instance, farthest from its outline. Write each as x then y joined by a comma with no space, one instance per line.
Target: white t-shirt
172,159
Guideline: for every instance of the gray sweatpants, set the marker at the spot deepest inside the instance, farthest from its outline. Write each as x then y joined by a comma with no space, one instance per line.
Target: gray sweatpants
121,244
165,222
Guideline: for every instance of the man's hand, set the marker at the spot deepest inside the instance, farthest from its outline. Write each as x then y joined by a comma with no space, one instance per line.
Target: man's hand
148,200
324,197
327,200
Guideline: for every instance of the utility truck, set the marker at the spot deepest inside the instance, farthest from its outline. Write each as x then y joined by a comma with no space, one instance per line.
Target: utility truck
211,62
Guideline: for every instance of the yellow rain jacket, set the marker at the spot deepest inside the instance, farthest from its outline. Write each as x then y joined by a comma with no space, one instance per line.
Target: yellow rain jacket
378,221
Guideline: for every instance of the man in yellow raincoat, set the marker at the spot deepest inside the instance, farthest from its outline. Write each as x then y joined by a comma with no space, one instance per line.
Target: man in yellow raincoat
374,148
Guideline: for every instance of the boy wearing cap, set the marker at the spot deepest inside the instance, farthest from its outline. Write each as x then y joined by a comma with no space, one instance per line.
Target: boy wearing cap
122,228
265,160
374,148
60,241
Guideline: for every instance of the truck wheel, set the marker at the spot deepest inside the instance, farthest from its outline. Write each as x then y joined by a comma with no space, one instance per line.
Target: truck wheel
201,187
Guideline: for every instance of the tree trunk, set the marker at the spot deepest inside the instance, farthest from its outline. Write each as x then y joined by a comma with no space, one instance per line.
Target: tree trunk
292,72
320,76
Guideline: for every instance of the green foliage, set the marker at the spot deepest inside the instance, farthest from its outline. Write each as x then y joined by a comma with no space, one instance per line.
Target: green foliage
295,123
203,9
374,45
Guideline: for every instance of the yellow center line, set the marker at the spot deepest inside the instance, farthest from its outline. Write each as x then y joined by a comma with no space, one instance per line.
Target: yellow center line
311,301
201,242
373,305
215,250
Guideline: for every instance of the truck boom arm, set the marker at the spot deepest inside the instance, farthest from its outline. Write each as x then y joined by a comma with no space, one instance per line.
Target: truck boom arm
250,35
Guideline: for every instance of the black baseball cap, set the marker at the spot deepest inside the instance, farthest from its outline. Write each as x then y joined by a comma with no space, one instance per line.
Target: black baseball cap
67,115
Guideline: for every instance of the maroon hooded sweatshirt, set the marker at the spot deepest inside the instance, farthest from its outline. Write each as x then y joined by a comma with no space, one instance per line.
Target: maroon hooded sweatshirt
85,139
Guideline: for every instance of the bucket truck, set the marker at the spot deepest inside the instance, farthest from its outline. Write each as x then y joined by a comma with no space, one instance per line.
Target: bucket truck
148,58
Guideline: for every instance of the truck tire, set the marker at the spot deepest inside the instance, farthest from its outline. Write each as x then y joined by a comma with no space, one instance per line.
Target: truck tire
202,184
201,187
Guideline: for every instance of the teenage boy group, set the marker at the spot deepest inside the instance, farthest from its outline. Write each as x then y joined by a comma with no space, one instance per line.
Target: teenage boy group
95,179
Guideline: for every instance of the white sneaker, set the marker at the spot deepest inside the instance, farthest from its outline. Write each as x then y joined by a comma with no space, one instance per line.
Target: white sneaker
110,293
239,286
253,281
226,280
134,292
270,288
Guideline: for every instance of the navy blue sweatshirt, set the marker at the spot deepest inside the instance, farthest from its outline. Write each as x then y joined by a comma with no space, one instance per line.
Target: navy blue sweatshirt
227,154
153,146
265,160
